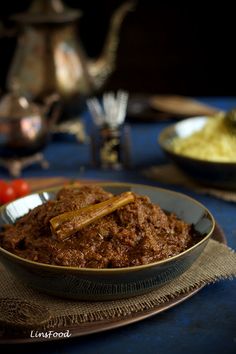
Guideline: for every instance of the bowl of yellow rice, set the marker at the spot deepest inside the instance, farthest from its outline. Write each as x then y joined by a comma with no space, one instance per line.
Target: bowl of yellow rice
204,148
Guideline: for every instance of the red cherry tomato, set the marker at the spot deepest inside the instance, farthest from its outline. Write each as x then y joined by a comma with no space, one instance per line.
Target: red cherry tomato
3,186
7,194
21,187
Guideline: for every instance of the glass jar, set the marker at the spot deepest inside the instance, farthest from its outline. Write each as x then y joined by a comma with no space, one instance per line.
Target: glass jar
111,147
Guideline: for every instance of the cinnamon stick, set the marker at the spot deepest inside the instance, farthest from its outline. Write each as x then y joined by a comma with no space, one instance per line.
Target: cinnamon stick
68,223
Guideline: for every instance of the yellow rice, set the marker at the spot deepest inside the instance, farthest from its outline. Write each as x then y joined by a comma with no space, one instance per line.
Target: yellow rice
213,142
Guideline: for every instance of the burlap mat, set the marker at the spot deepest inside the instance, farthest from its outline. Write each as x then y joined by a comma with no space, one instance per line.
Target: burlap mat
217,262
170,174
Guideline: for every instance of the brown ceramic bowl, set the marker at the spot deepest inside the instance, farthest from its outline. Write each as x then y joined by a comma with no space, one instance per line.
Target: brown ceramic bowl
109,284
214,174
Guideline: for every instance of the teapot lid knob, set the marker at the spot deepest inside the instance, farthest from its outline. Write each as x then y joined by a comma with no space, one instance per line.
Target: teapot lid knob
16,106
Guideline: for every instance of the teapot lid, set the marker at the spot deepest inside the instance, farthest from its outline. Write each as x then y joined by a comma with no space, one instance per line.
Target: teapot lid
47,11
14,106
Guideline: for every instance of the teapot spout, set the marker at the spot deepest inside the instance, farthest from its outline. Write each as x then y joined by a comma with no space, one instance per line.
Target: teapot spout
102,67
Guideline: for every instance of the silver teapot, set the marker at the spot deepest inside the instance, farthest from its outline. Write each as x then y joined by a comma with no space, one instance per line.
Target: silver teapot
49,56
25,126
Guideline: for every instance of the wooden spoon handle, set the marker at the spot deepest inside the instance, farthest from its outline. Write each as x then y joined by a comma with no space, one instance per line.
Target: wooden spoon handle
66,224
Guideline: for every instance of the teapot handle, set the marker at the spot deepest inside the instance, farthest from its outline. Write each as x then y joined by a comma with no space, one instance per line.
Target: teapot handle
53,108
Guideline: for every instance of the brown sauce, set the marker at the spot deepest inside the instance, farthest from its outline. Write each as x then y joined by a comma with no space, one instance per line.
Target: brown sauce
136,234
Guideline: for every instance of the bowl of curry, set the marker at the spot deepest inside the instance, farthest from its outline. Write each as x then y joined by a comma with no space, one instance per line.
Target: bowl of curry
102,242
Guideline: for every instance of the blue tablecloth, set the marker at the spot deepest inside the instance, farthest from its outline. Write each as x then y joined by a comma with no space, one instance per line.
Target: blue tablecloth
206,323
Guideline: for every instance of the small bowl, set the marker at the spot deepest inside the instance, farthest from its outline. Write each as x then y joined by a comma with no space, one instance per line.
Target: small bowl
109,284
214,174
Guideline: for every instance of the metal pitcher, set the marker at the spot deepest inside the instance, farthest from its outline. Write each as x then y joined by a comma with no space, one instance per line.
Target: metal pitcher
25,126
49,57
